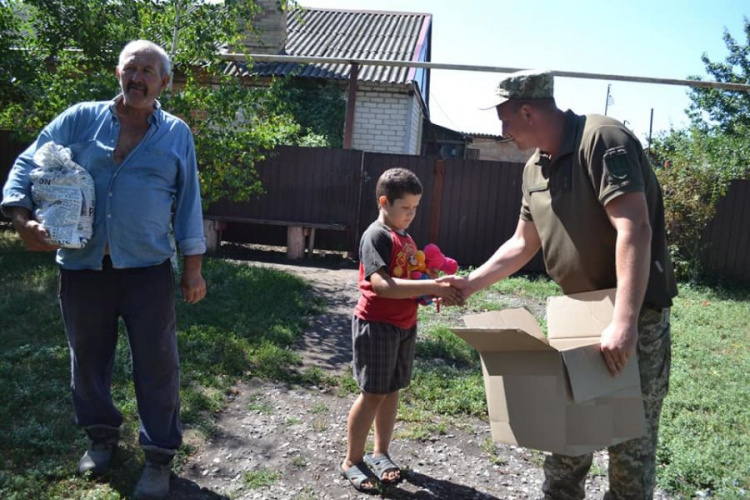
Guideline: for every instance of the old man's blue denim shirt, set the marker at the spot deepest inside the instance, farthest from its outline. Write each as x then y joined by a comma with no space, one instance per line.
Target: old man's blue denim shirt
153,192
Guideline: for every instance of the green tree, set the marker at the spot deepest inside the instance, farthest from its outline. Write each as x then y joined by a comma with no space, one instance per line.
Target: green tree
727,111
699,168
701,161
59,52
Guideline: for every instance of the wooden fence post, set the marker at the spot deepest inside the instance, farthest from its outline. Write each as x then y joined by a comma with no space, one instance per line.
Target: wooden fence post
437,200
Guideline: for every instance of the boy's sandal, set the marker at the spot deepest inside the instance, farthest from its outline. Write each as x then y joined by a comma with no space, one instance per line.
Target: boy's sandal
381,464
358,474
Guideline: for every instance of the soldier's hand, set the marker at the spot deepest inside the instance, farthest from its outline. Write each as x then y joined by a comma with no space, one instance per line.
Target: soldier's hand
618,343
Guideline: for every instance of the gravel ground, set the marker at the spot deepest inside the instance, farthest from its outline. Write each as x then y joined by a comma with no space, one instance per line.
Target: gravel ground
297,436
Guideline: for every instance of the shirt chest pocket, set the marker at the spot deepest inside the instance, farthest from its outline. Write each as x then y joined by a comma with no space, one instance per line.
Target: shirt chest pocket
92,155
157,165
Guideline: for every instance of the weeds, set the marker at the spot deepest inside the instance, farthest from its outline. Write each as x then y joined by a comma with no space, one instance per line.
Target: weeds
491,449
319,409
260,478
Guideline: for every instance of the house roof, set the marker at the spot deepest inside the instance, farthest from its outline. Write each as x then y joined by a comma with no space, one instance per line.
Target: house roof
482,135
400,36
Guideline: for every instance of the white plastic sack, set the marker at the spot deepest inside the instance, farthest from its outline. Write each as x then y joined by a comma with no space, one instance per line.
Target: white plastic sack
63,195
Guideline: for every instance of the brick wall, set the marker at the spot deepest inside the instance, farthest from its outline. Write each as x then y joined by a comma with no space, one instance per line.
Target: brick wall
386,121
415,127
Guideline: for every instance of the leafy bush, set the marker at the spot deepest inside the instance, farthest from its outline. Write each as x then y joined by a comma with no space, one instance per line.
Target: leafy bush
697,168
699,163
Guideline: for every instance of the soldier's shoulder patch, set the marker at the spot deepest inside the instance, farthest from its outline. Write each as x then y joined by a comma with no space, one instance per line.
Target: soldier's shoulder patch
616,162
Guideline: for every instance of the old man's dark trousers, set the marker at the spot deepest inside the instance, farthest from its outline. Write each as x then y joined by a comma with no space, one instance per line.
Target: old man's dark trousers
92,303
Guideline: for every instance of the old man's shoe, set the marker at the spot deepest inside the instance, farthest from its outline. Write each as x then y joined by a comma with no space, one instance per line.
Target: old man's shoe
102,444
154,482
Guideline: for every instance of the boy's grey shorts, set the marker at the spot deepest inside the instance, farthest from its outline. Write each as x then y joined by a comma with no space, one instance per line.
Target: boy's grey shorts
383,355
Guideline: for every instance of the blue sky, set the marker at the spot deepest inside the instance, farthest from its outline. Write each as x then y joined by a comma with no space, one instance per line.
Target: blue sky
654,38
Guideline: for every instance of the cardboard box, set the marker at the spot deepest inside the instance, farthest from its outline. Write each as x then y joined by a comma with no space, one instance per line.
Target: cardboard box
555,394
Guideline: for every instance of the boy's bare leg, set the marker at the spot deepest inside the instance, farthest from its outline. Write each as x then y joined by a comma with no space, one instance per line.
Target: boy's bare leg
385,421
361,416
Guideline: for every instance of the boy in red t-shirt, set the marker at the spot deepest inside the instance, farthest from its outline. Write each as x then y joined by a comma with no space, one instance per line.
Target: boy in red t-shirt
384,327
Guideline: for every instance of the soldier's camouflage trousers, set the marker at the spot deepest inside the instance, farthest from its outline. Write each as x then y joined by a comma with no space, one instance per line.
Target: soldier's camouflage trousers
632,467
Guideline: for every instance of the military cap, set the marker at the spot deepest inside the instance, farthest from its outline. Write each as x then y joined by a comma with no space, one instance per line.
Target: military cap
529,84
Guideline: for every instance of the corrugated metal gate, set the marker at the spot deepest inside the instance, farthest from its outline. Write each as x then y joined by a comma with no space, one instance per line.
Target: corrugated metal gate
727,237
314,185
469,207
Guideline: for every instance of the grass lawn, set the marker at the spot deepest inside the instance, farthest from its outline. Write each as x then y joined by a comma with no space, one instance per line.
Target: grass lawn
251,317
243,328
705,426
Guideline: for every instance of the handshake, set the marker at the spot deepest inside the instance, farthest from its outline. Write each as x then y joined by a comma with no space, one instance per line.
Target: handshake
455,290
430,262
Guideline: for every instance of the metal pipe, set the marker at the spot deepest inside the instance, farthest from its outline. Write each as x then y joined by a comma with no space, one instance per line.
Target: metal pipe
487,69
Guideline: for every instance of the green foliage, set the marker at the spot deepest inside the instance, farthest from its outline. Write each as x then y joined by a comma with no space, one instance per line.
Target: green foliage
52,56
727,110
441,343
56,53
537,286
232,132
444,389
256,479
701,166
701,161
317,106
16,66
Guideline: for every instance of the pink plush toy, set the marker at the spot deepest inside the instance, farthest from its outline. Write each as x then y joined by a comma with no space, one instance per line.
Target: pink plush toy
434,260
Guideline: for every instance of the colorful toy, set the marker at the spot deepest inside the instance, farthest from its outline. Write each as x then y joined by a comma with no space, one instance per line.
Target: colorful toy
433,260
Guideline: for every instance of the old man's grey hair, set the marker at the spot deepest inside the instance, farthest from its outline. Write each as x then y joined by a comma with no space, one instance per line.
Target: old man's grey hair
146,46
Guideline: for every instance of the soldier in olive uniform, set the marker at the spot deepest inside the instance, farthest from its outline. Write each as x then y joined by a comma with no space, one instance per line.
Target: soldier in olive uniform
592,203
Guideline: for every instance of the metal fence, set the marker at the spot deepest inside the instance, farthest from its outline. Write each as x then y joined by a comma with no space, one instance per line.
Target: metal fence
469,207
727,237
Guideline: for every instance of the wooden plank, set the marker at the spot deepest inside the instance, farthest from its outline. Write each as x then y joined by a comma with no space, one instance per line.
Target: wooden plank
437,200
350,105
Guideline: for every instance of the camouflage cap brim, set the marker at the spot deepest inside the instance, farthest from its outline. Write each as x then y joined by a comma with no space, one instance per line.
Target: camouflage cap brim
493,103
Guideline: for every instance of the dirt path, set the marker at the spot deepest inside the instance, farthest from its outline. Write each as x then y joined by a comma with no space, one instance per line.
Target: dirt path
300,433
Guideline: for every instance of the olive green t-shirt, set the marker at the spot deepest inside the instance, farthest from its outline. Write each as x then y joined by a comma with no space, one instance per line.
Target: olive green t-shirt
599,160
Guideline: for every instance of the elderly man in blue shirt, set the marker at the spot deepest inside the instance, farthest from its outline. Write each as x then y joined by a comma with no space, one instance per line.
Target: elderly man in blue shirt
142,161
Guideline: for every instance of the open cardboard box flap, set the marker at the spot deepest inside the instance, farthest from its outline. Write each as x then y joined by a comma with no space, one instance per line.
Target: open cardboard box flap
581,315
557,394
575,323
517,327
589,376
